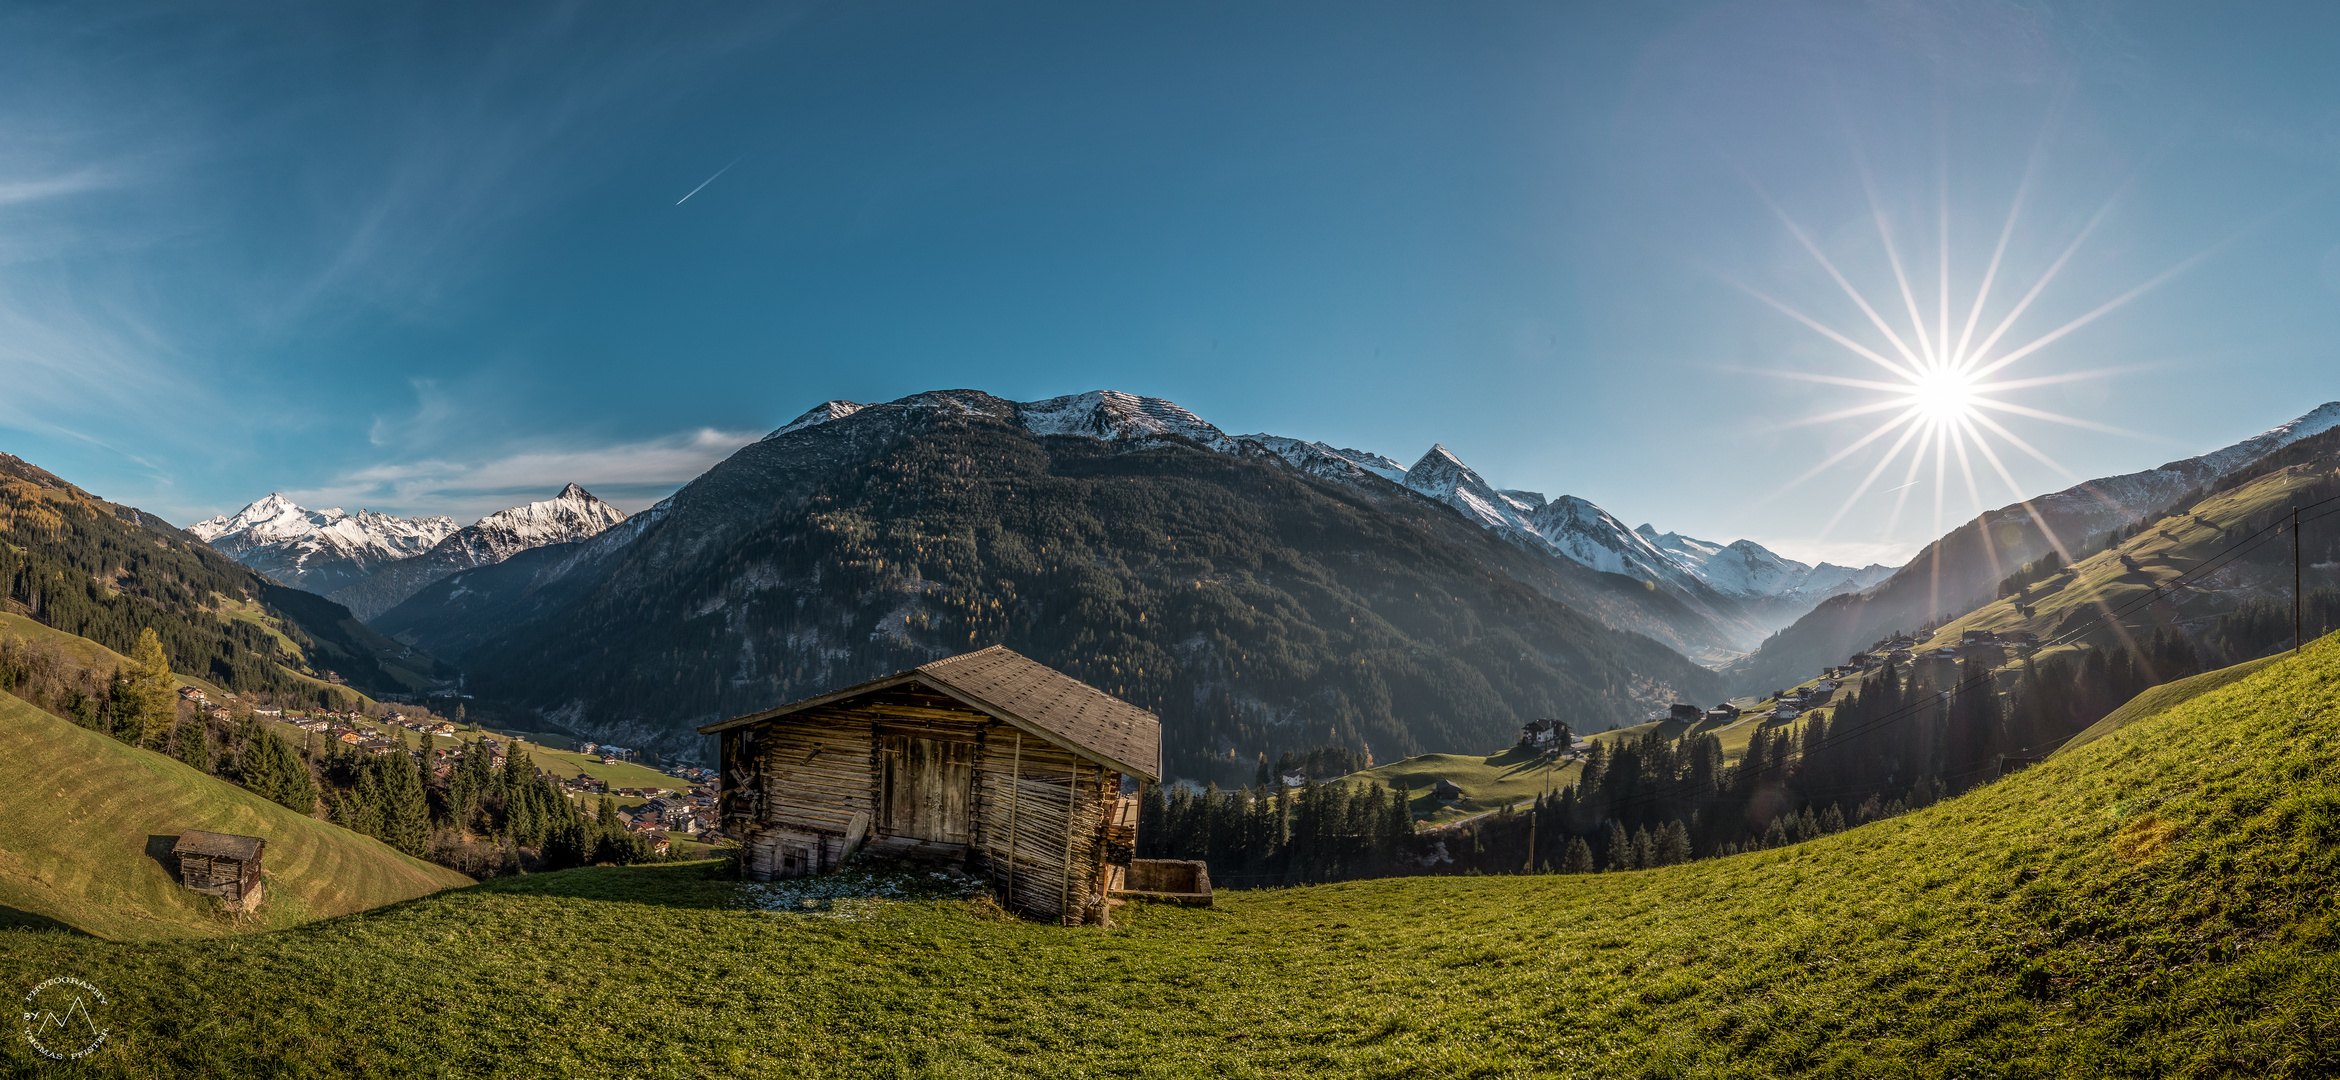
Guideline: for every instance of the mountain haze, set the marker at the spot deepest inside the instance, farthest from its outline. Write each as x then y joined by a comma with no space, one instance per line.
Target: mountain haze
1961,571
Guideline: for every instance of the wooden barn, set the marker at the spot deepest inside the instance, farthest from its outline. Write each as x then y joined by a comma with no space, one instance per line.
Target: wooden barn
988,759
224,865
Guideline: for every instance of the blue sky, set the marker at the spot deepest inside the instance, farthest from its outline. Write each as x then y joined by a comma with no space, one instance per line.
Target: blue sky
431,259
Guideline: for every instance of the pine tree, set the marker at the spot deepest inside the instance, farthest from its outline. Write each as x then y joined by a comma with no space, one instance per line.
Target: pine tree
1579,859
1621,854
191,743
405,806
1673,844
153,707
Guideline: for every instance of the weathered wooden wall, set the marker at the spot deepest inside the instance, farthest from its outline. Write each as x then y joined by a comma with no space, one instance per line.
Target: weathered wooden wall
1042,814
1036,816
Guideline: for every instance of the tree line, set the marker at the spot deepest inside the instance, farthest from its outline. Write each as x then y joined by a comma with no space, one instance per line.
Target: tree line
1905,737
479,818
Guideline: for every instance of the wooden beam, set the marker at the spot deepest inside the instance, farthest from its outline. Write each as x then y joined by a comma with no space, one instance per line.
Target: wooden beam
1071,814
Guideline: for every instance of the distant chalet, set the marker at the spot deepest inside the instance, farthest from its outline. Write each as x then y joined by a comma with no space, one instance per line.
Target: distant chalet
222,864
989,759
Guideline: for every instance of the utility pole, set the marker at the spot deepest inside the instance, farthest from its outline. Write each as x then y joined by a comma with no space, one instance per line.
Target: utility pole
2296,641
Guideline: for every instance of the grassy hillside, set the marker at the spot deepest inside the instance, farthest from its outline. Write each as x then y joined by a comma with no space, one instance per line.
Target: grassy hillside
82,651
2161,699
1512,776
1487,782
2151,904
87,819
2121,578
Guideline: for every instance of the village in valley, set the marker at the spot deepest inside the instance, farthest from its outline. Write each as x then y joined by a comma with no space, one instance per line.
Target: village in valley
673,809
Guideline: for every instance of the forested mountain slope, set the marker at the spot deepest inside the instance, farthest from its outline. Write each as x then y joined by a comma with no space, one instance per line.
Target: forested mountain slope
1257,607
2152,904
98,570
1961,571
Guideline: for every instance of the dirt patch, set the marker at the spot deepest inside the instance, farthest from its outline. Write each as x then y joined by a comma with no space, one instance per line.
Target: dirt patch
2143,838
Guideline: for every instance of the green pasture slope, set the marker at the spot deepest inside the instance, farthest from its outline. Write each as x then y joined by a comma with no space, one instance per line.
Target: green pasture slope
1488,782
87,819
2160,699
2156,903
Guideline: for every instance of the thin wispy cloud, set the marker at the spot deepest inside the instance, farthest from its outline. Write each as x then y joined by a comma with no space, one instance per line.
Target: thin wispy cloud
631,475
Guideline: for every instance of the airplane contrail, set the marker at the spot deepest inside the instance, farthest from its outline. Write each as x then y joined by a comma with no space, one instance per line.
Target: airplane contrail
703,183
1911,484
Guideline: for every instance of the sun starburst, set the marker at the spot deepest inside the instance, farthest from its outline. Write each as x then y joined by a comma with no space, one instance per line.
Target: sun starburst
1942,381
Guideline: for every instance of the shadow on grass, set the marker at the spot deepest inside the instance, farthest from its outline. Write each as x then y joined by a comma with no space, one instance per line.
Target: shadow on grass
709,885
17,920
705,884
160,848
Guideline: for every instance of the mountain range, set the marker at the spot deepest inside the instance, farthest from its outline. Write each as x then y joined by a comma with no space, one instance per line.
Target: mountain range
318,550
369,561
1260,592
1260,595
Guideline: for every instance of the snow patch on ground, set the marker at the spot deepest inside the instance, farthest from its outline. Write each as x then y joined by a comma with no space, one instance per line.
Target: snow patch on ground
854,894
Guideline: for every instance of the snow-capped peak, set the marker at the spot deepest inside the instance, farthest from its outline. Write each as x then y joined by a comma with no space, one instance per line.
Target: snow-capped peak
318,548
1443,476
818,414
574,514
1113,415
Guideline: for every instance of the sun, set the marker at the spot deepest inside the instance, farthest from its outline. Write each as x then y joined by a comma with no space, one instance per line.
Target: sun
1944,398
1937,374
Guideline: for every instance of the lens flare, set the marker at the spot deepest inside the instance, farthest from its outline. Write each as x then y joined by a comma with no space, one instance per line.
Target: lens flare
1940,377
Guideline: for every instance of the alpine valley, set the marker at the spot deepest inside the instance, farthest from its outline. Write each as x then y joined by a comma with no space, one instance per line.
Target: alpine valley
1262,593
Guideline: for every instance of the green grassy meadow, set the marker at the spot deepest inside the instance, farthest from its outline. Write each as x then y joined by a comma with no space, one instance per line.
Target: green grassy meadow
84,652
89,821
2155,903
2167,696
1492,781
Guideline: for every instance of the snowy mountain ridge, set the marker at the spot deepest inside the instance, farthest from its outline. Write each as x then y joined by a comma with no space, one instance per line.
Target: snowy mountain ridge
1745,568
1568,526
318,550
570,516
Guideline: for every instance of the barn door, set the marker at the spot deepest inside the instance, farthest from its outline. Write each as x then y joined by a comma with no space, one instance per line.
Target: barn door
929,784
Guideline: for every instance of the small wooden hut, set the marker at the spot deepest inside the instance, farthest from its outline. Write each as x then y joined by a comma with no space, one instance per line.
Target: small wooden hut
224,865
988,759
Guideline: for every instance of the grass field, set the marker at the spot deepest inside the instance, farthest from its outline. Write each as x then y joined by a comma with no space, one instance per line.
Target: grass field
2160,699
83,651
1489,782
2156,903
89,820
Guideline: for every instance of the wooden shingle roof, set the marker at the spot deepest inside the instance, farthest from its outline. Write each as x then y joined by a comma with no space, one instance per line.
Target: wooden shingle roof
1026,693
219,845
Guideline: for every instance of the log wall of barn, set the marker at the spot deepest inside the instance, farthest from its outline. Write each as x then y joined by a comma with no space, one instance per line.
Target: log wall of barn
817,769
1027,791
